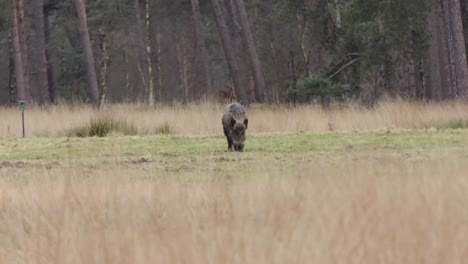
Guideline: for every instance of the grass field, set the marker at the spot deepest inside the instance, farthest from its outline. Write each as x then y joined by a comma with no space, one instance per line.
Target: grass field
379,193
204,119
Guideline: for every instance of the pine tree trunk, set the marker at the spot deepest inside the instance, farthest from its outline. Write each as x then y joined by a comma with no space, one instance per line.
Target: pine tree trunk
443,60
104,45
50,68
234,29
444,55
140,51
275,86
456,48
158,62
64,76
38,60
259,78
464,14
450,51
200,45
128,86
232,23
183,66
435,65
11,71
88,52
23,37
459,47
305,53
19,70
229,51
148,54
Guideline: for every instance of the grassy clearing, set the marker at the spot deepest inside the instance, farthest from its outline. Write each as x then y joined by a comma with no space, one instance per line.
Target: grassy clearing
393,196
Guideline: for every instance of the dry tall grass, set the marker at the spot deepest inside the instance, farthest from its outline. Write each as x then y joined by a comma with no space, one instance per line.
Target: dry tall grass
366,206
204,118
353,212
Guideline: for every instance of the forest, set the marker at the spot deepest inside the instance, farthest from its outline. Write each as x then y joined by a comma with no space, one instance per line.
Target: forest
271,51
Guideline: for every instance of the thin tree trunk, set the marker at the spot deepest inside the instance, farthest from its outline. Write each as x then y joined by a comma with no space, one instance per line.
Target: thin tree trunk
64,76
234,29
338,13
23,36
433,62
88,51
200,45
19,70
38,60
11,71
450,51
128,86
125,58
50,68
104,45
305,53
464,14
456,48
158,62
443,60
183,66
259,78
274,53
232,22
148,54
456,24
229,51
140,50
270,49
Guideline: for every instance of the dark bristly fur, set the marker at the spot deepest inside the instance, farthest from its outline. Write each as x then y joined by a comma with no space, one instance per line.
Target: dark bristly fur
235,123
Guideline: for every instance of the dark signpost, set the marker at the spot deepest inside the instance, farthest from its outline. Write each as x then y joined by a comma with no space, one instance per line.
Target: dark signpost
23,106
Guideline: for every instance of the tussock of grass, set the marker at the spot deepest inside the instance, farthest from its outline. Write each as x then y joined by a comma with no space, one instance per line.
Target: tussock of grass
165,129
456,124
448,124
103,126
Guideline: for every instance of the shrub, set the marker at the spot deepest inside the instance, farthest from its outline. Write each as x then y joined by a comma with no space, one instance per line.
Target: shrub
307,89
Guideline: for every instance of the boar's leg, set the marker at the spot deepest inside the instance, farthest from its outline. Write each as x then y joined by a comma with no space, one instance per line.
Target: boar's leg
230,145
228,139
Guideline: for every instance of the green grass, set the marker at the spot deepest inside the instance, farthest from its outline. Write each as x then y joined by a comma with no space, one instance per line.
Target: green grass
267,148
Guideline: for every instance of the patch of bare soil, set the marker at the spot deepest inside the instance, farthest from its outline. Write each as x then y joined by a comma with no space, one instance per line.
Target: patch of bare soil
14,164
141,160
225,159
182,168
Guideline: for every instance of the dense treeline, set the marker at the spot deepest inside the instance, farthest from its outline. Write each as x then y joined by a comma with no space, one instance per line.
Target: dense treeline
272,51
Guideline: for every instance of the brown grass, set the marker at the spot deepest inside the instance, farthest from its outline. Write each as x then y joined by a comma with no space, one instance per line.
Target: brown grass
374,204
351,212
204,118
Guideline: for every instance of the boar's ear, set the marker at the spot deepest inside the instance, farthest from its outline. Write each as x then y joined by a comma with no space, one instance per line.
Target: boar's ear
233,122
246,122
